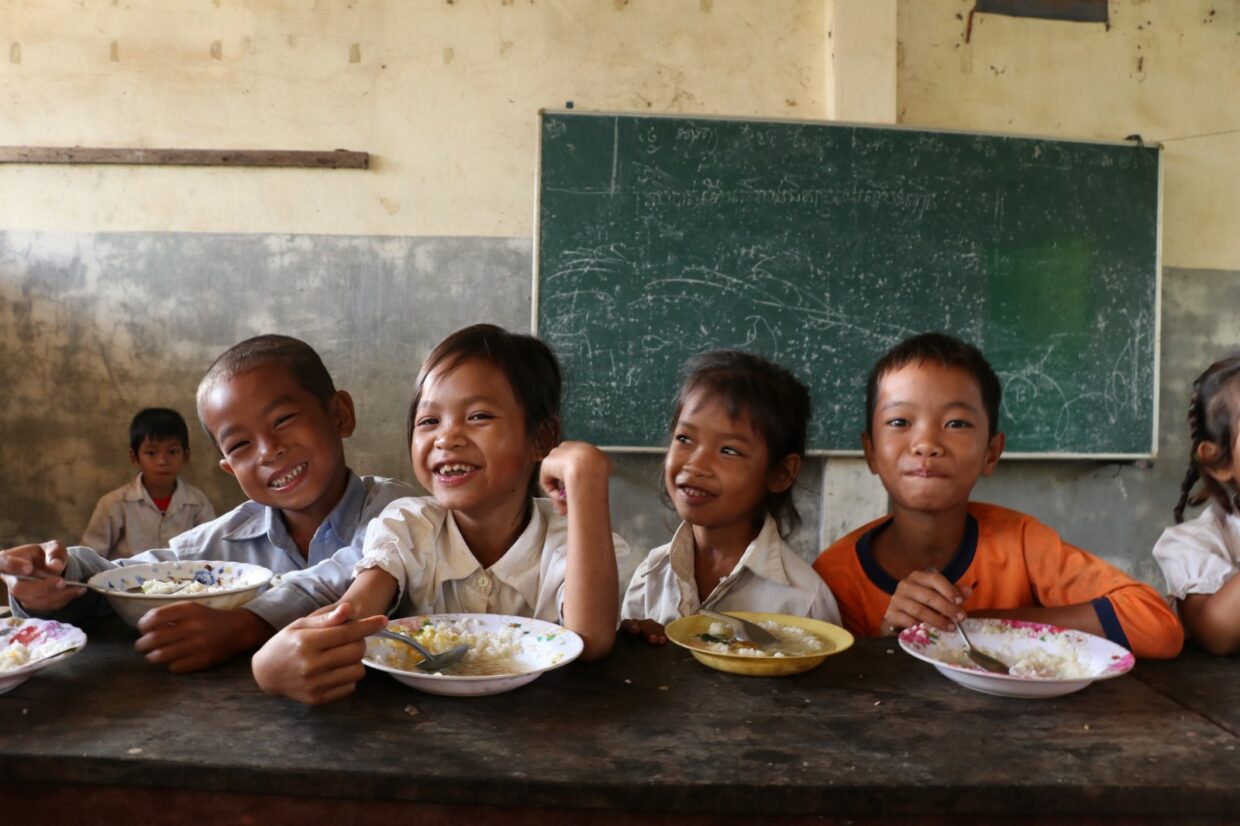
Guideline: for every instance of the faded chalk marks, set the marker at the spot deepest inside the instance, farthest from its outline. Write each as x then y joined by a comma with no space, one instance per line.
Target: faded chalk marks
822,245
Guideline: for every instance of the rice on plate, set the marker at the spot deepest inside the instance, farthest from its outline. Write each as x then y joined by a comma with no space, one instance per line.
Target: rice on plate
505,652
1043,660
30,645
803,643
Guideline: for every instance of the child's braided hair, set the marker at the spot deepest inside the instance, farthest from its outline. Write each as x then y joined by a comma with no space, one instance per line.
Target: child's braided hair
1213,418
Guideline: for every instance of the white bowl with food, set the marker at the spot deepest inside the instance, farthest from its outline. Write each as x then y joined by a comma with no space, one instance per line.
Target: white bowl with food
505,652
1043,660
133,590
31,645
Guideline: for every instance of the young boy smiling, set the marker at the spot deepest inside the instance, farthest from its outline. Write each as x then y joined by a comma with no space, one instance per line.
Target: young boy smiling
932,406
271,408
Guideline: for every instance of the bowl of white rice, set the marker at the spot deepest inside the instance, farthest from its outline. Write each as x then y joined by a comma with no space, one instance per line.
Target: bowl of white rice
214,584
801,643
505,652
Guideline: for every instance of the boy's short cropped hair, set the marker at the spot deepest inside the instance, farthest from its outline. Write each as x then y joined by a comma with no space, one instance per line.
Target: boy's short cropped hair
298,358
157,424
938,348
529,365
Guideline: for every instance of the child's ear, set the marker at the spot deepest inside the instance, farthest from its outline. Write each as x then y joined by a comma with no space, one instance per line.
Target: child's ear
546,437
867,447
993,451
784,474
227,468
340,408
185,454
1208,454
133,457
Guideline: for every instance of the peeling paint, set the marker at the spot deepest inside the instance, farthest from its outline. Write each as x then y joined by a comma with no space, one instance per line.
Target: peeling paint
15,53
114,52
392,207
355,53
706,5
449,54
217,50
505,46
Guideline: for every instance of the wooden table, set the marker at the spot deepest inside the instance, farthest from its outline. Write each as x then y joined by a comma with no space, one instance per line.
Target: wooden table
647,735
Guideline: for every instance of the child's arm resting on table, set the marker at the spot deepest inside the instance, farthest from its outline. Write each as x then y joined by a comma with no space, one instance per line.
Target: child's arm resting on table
318,658
1214,619
575,475
186,636
48,561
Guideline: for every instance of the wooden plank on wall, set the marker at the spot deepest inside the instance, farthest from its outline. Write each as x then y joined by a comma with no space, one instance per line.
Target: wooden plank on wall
338,159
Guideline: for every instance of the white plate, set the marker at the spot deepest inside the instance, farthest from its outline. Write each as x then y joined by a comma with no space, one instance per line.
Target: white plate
540,646
48,642
1088,657
241,580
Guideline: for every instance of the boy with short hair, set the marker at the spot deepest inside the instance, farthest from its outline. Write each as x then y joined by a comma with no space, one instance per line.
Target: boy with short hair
932,406
271,408
155,505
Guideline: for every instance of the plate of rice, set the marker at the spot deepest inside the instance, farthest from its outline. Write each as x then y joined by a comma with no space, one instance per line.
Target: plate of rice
803,643
30,645
505,652
1044,660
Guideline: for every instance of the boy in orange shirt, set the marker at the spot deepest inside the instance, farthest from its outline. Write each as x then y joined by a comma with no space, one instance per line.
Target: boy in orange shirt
932,406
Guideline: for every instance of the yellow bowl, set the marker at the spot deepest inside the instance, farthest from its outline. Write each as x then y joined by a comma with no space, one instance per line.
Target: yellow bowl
684,633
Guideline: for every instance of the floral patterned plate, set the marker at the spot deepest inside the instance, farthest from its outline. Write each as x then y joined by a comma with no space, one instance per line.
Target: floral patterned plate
1045,660
505,652
30,645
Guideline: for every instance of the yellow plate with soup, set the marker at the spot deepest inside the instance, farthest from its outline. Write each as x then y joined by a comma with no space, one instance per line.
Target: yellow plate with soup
805,643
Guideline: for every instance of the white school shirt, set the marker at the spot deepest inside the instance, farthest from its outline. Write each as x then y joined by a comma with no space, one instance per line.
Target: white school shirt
769,577
416,541
1200,555
126,521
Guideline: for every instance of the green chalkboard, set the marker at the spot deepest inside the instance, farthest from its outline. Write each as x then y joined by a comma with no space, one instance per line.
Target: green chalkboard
822,245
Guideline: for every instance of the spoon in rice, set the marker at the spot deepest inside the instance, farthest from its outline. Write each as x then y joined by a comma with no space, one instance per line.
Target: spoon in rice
744,629
431,663
991,664
137,589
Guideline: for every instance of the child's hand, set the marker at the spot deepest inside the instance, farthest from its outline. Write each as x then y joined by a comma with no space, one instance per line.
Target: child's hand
47,560
925,596
186,636
318,658
574,469
647,629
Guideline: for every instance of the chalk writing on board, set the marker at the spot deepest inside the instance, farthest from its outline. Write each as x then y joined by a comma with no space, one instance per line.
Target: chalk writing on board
821,246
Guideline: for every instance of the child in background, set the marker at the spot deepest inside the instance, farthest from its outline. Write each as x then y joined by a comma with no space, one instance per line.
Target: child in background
1200,558
738,440
270,407
932,406
156,505
485,413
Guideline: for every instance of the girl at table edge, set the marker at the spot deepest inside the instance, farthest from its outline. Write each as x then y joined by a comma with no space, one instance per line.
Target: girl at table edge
483,429
738,434
1200,558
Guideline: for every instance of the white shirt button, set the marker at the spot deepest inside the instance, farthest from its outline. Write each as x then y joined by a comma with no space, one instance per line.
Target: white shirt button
483,582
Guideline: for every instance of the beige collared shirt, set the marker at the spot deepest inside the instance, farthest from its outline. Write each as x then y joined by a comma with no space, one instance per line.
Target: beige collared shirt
769,577
126,520
417,541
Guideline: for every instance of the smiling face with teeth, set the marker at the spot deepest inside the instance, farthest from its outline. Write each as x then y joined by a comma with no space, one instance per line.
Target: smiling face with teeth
718,471
282,443
470,447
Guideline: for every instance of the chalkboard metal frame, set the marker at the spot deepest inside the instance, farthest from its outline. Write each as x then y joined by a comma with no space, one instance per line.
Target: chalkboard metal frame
1156,308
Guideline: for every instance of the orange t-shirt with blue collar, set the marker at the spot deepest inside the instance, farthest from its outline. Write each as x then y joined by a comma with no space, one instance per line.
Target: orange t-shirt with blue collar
1011,560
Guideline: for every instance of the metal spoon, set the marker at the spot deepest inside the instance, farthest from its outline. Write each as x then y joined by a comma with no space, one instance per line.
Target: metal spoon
137,589
986,661
744,629
430,662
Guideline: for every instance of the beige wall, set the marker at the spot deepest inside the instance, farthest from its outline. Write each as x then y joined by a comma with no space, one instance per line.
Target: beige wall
1168,71
443,94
